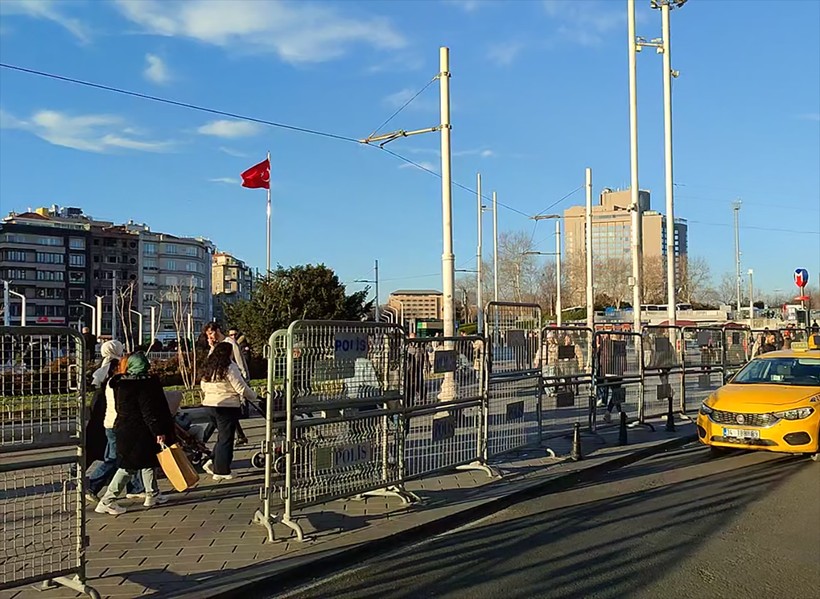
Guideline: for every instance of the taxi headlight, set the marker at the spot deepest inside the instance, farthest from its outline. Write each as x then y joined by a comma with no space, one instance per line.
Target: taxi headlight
798,414
706,410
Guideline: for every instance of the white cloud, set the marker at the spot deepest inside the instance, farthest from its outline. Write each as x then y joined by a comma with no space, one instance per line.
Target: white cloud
156,70
48,10
100,133
810,116
466,5
296,32
399,98
504,53
480,152
228,180
229,129
588,22
424,164
232,152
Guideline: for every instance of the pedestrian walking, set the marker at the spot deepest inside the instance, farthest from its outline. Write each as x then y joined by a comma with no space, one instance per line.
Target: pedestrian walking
143,423
215,335
90,343
225,390
101,444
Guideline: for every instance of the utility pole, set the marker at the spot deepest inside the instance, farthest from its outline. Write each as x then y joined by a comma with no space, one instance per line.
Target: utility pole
6,305
589,263
558,271
114,306
447,257
637,220
751,300
99,314
668,74
736,208
377,290
153,324
479,280
495,247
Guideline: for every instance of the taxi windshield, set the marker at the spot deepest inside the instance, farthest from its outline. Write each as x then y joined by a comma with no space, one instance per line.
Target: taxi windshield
798,371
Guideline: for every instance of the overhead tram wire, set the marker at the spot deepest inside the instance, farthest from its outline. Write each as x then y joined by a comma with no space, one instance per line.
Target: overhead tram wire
545,210
403,106
241,117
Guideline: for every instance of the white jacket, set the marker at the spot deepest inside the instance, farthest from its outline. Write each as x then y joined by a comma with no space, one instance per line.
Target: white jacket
229,392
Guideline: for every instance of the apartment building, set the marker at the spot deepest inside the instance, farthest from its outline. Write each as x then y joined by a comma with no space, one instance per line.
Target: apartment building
231,281
612,229
44,256
417,304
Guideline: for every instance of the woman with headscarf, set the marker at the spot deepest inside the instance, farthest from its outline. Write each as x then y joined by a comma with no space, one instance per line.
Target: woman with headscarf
143,424
101,425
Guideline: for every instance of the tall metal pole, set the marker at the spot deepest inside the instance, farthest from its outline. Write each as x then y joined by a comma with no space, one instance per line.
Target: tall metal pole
751,300
6,305
447,257
377,290
93,317
589,262
114,306
479,295
736,208
558,271
671,288
637,221
98,314
495,247
267,225
153,324
22,307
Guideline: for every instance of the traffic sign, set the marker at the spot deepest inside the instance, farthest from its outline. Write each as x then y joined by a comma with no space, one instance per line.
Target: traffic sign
801,277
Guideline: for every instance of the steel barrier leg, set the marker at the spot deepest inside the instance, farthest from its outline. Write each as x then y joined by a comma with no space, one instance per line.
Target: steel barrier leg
397,490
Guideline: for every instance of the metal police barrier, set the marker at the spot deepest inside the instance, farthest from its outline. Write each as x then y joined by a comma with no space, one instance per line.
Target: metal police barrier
766,340
445,417
662,369
344,401
737,349
514,383
617,367
565,363
42,458
702,350
271,457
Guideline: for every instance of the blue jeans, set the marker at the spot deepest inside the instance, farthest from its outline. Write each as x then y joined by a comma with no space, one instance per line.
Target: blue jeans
103,472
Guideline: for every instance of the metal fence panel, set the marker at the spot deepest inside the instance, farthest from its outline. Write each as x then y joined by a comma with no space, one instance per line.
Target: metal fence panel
737,343
344,398
703,348
42,380
618,368
514,377
658,389
444,404
565,360
662,348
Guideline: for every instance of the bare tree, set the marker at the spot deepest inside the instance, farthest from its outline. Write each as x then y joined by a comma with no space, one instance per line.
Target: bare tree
123,304
612,279
517,270
695,279
654,280
181,300
726,290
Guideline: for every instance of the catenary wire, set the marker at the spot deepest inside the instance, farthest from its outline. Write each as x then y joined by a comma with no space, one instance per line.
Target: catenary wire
237,116
403,106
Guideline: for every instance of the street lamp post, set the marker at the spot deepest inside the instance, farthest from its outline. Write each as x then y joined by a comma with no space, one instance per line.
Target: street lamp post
751,300
139,314
375,282
22,307
635,204
98,312
479,279
6,305
588,244
93,316
557,254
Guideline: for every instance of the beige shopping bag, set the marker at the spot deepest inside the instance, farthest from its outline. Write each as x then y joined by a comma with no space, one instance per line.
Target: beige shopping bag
177,467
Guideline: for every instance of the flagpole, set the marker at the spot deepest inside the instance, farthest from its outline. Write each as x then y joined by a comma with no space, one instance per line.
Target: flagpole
268,223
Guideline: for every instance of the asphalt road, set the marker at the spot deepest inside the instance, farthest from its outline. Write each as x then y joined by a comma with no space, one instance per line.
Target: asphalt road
677,525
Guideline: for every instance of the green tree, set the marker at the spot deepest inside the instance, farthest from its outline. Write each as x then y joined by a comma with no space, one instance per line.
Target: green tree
297,293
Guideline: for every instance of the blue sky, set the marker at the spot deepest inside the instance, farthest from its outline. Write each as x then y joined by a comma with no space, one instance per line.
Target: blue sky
539,92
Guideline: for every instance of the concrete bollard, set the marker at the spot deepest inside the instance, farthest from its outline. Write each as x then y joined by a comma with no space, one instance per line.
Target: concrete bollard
576,455
622,439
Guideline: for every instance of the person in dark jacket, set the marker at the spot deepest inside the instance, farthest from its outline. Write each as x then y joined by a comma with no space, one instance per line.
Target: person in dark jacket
143,424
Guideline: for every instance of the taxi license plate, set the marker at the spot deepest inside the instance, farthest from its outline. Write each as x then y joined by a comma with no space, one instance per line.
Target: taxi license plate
739,433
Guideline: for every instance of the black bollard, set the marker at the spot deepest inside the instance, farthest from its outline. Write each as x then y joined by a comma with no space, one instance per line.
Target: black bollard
670,418
576,455
622,440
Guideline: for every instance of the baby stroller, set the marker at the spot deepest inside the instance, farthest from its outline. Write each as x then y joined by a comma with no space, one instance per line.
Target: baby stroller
191,438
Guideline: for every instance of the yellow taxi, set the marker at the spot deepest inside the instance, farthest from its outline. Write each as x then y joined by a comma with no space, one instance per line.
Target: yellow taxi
771,404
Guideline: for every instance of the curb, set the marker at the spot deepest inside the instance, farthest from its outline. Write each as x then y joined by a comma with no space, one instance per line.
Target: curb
252,579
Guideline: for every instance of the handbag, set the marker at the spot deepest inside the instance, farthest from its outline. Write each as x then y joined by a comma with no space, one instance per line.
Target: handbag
177,467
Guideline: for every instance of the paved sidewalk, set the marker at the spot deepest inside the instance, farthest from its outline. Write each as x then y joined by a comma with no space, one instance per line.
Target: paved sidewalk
203,542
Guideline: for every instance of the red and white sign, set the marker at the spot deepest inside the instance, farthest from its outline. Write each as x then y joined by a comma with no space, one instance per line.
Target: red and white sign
50,320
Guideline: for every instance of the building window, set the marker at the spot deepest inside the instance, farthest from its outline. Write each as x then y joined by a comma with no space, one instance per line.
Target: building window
191,251
76,276
193,267
171,281
76,294
111,259
50,275
171,264
169,248
76,259
14,256
76,243
49,258
16,273
150,249
149,279
150,263
50,293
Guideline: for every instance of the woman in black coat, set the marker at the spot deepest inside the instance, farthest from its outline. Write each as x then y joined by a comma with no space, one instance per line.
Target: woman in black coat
144,421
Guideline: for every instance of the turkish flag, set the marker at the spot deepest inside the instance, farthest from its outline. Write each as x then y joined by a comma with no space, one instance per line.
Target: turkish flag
258,176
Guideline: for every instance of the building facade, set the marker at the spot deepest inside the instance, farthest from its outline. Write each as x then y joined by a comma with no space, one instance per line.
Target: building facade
231,281
63,260
425,304
612,230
